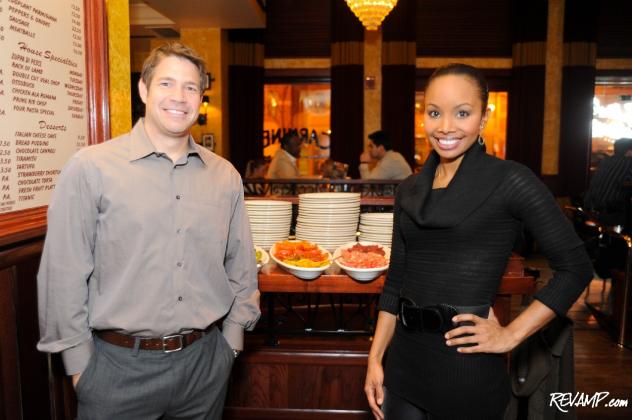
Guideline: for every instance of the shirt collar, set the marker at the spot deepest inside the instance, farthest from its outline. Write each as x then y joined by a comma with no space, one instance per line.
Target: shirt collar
141,146
292,158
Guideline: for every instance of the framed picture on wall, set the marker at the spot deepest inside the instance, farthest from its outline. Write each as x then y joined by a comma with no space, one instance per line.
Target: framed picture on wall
208,141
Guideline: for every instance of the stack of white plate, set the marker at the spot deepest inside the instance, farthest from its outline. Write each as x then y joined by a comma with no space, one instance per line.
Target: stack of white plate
376,227
328,219
270,221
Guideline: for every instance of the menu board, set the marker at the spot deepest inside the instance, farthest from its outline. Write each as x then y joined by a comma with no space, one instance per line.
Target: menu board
43,109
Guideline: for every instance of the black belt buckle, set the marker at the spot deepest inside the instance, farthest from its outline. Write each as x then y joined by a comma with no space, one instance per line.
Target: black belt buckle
431,318
409,314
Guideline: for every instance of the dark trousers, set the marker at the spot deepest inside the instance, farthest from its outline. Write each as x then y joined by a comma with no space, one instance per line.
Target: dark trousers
122,383
397,408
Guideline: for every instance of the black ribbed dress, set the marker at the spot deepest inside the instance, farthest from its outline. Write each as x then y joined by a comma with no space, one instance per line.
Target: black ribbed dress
452,246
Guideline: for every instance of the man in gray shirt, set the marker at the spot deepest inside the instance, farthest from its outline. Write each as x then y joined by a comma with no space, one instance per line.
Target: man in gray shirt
148,252
389,164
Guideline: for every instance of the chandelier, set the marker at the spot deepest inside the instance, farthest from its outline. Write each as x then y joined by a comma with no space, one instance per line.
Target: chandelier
371,12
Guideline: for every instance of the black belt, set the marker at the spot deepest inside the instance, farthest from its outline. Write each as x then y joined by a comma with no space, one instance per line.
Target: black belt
435,318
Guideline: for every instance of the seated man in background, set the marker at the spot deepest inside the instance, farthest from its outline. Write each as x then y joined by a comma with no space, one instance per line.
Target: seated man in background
607,194
333,170
389,163
283,165
256,169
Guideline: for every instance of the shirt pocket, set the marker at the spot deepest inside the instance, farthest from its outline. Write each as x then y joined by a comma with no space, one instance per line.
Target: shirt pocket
210,227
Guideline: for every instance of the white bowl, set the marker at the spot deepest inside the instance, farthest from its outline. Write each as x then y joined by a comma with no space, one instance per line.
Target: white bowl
304,273
265,258
362,274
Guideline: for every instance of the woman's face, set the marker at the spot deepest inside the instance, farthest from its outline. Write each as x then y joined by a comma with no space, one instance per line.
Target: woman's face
454,116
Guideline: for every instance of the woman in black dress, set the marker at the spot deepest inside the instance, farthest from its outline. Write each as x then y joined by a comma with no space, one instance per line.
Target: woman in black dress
455,224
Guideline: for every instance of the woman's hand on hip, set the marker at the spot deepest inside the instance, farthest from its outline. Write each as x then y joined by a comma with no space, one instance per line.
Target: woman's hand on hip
487,335
373,388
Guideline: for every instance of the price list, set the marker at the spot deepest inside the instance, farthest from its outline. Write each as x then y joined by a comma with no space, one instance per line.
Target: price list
43,113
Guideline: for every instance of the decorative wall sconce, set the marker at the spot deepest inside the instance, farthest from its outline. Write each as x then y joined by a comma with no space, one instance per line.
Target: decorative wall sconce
203,110
209,81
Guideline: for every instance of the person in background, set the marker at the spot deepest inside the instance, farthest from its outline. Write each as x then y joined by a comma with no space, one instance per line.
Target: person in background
283,165
332,170
454,227
148,254
607,194
389,164
256,169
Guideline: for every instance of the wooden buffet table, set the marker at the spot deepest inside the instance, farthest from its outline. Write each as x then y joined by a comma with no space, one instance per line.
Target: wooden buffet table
273,279
321,376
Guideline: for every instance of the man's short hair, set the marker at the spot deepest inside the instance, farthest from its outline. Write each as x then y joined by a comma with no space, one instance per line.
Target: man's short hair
175,49
285,140
622,145
380,138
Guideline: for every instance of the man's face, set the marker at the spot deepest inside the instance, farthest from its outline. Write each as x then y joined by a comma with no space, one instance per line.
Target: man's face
172,98
294,146
376,152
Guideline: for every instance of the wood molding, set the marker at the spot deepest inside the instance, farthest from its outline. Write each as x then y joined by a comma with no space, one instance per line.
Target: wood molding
346,53
97,69
483,63
398,53
17,254
580,53
22,225
245,54
232,413
614,63
529,53
297,63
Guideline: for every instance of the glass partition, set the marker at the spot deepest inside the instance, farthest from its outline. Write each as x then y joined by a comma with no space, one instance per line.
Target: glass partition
304,107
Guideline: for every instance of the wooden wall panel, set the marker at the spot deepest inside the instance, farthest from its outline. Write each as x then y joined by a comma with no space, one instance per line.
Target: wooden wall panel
306,380
297,28
614,29
33,364
10,407
458,28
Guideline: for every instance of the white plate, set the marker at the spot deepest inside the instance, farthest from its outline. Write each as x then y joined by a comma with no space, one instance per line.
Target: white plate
265,258
268,203
331,195
375,229
380,216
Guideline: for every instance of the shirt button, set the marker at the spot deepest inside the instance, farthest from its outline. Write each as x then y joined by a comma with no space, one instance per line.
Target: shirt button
179,264
179,298
178,197
178,230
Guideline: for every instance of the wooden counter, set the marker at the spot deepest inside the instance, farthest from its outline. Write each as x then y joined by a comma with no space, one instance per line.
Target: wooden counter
273,279
321,376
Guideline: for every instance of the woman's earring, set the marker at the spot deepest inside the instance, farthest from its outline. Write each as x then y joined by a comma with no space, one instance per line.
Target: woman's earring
480,140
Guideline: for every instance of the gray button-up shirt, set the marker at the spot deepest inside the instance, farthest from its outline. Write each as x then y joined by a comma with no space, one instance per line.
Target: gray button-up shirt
145,246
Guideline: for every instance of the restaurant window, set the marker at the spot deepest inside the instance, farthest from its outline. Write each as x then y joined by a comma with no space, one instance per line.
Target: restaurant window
612,119
304,107
495,132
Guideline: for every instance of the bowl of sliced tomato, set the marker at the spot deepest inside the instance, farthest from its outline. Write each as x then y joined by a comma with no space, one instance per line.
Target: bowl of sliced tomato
306,260
363,261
